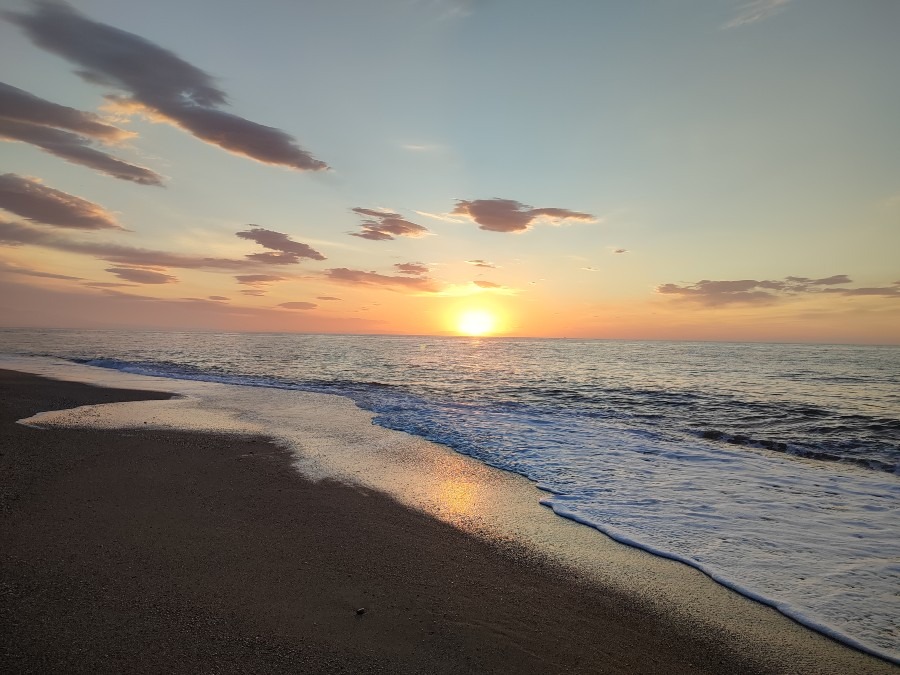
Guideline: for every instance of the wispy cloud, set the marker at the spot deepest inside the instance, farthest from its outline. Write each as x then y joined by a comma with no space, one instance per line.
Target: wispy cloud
258,280
75,149
482,263
31,199
754,11
767,292
25,271
476,287
444,217
18,104
156,80
17,233
362,278
508,215
298,305
139,275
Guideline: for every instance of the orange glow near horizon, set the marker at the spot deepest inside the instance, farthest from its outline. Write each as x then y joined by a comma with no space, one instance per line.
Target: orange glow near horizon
476,322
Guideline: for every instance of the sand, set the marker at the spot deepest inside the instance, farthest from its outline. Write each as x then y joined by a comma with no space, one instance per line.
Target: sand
150,551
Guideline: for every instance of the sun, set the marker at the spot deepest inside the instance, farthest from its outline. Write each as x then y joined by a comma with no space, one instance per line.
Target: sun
475,322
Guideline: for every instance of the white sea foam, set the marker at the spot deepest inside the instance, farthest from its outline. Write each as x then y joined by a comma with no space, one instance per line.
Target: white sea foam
681,490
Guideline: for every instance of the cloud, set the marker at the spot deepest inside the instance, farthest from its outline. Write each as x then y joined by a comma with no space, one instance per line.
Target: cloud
24,271
507,215
14,234
440,216
589,269
756,10
158,81
892,291
35,201
217,297
255,292
298,305
142,276
383,225
327,297
361,278
620,250
77,150
837,279
258,280
413,268
17,104
482,263
476,287
287,251
108,284
765,292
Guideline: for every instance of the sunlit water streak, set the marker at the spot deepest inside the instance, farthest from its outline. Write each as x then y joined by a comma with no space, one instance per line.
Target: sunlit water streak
773,468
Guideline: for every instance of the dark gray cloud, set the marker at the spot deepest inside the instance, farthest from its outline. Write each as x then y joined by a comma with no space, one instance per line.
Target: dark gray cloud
508,215
768,291
14,234
482,263
138,275
384,225
361,278
17,104
76,149
412,268
286,250
298,305
35,201
157,80
621,250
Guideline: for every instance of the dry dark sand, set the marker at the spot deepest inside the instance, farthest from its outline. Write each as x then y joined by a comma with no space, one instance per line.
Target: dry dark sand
126,552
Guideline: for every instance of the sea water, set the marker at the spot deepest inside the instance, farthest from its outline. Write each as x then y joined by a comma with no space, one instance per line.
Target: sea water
771,468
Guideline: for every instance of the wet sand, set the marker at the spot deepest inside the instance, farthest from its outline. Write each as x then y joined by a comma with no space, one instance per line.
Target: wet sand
150,551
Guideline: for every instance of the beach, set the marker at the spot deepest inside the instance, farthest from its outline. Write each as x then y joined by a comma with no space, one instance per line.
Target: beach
147,551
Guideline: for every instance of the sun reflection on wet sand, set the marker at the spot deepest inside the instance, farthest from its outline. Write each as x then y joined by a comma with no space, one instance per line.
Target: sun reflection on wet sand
457,498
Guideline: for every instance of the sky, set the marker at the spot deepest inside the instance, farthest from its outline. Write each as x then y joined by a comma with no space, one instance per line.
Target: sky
691,170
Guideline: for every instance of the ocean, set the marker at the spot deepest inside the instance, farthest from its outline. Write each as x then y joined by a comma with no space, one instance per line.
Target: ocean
772,468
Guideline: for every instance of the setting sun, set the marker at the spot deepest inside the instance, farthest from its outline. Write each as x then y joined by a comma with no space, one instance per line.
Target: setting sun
476,322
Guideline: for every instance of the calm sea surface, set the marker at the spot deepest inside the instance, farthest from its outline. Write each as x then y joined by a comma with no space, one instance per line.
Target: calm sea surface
773,468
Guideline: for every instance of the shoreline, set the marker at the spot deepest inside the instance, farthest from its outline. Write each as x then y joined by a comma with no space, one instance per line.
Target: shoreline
227,525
